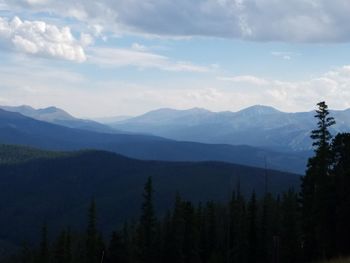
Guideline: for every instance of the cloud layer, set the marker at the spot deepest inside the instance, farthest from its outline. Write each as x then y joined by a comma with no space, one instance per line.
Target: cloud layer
41,38
114,97
119,57
333,86
257,20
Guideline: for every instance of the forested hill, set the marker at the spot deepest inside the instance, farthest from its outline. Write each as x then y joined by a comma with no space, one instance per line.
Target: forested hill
57,188
15,154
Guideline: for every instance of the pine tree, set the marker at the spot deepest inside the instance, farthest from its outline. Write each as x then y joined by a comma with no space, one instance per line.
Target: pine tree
232,233
26,255
252,230
147,226
167,237
265,229
126,243
316,193
290,232
116,250
212,237
68,247
60,248
241,248
341,171
191,234
44,246
92,254
176,237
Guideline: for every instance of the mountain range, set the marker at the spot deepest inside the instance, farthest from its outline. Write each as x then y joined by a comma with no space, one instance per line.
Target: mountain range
16,128
258,126
58,116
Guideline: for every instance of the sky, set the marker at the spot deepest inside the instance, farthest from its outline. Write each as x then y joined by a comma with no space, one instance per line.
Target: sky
99,58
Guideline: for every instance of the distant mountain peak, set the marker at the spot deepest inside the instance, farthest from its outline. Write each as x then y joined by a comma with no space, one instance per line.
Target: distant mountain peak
49,113
259,110
27,107
51,108
198,110
60,114
171,110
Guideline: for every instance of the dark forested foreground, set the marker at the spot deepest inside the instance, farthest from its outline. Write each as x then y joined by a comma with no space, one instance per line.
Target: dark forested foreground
291,227
38,186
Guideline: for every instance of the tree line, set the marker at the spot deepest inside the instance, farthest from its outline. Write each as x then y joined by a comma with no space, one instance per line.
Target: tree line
291,227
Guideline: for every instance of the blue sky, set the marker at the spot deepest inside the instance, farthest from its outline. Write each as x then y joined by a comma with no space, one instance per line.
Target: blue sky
105,58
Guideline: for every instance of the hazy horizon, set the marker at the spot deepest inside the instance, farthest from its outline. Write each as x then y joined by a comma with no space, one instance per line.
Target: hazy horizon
104,58
157,109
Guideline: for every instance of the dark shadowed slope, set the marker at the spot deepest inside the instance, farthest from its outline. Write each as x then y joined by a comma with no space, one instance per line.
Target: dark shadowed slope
57,189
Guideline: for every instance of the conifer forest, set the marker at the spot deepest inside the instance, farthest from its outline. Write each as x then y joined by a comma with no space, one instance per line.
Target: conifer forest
308,224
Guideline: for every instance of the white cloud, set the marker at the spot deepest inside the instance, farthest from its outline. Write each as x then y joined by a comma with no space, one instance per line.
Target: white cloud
41,38
113,97
119,57
332,86
86,39
284,55
138,47
258,20
246,79
37,2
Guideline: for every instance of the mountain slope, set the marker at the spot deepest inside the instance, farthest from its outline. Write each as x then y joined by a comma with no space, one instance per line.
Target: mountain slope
57,190
258,126
18,129
60,117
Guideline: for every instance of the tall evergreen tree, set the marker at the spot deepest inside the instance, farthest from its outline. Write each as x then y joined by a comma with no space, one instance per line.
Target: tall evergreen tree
68,247
26,255
316,194
212,233
92,247
232,233
265,231
176,238
60,248
191,235
147,226
241,248
341,171
116,250
252,229
44,255
290,232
